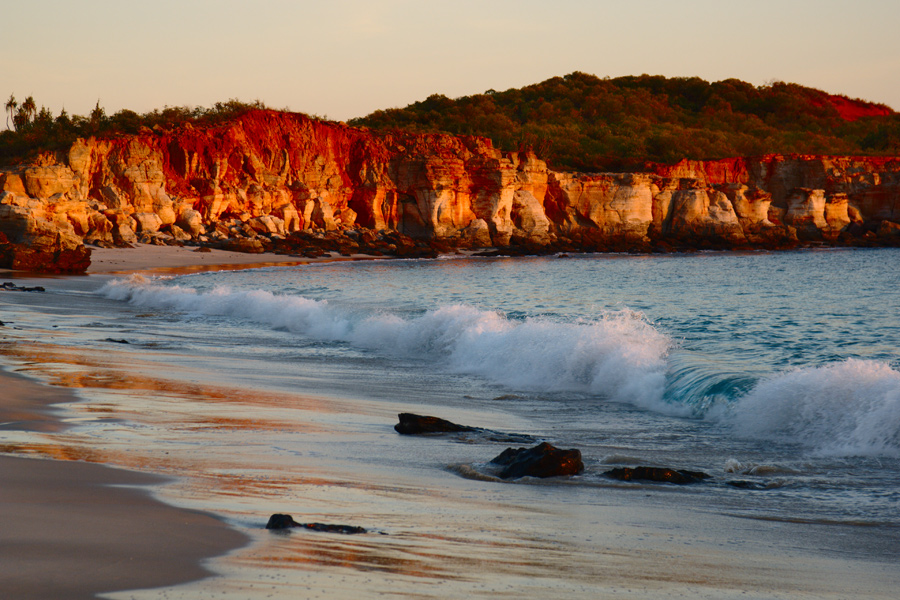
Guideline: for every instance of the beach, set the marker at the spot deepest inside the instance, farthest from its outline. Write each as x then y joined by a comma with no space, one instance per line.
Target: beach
70,529
433,533
163,259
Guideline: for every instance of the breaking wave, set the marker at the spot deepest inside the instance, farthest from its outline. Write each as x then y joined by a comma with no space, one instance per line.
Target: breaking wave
849,408
618,355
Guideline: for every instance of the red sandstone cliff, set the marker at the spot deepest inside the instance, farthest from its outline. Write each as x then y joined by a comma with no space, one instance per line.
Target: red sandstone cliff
271,173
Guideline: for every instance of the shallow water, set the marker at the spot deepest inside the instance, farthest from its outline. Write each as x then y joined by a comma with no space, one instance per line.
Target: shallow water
275,390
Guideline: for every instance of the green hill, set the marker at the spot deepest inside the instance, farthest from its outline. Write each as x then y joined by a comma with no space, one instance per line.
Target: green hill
585,123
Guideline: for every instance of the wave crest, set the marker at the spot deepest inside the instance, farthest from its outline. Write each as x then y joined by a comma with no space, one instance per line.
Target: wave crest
850,408
618,355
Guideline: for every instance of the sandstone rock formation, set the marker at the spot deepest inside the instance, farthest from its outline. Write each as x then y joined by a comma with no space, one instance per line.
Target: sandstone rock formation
259,179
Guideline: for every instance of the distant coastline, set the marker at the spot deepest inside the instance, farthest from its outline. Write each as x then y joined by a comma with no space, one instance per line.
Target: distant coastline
244,178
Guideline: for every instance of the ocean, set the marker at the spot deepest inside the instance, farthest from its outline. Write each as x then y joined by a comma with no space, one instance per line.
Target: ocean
276,390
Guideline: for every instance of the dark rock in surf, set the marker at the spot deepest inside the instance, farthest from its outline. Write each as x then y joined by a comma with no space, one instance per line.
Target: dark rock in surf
328,528
411,424
10,286
544,460
659,474
279,521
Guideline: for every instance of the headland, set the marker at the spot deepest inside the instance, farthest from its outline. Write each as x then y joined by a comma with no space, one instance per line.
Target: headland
285,183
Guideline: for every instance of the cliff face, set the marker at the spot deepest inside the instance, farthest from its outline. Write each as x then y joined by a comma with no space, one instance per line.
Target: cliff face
270,174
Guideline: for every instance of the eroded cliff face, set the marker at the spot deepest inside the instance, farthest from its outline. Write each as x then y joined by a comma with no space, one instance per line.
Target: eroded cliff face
269,174
871,184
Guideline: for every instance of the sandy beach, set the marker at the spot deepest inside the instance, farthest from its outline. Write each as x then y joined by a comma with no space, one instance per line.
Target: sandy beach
162,259
69,529
66,532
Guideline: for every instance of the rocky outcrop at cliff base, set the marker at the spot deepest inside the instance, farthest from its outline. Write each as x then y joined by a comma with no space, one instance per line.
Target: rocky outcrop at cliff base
269,174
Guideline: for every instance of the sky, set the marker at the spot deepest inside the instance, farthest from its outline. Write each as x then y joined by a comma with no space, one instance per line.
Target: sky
346,58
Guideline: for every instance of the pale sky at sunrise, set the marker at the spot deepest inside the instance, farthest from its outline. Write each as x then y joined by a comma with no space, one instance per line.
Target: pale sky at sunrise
346,58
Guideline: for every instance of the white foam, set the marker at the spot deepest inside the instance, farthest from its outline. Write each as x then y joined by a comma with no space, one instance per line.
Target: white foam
849,408
732,465
619,355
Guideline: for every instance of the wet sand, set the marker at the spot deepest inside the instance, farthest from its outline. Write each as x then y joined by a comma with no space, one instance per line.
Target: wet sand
65,531
146,257
161,260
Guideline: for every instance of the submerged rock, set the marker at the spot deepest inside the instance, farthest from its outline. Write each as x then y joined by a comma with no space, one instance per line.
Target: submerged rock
544,460
743,484
665,475
280,521
411,424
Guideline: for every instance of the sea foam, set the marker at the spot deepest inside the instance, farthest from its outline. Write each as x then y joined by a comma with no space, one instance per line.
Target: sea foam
849,408
618,355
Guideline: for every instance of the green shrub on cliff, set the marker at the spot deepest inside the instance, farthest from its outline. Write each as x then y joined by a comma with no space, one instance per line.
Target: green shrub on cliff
37,131
586,123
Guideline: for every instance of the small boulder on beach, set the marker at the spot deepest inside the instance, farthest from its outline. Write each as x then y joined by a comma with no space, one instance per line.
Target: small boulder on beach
280,521
659,474
411,424
12,287
544,460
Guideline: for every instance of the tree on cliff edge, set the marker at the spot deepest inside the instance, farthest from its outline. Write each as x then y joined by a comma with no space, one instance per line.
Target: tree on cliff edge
98,118
28,111
11,106
22,114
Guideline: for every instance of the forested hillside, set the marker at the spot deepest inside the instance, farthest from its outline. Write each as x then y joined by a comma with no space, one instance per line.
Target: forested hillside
576,122
585,123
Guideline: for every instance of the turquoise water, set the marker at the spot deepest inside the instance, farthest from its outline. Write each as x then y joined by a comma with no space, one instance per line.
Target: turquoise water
781,370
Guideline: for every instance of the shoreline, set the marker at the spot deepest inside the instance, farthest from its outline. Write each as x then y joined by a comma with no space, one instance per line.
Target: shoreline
70,530
179,260
73,529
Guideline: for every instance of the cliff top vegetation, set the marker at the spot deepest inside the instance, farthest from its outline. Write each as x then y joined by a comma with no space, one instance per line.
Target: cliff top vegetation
586,123
33,131
579,121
